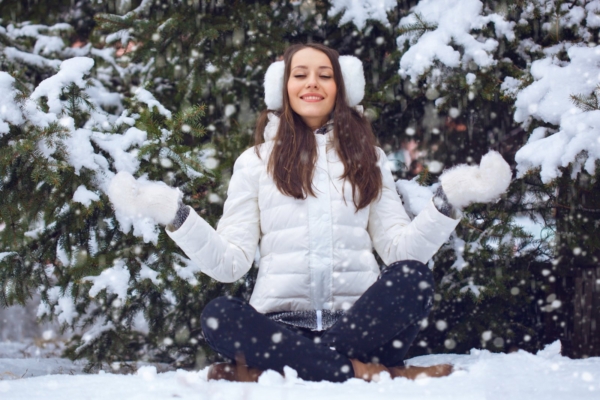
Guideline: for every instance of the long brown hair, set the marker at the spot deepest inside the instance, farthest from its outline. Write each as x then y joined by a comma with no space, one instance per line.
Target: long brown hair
292,161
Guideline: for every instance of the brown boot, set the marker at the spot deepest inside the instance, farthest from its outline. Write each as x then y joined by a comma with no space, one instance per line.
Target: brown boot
367,371
413,372
233,373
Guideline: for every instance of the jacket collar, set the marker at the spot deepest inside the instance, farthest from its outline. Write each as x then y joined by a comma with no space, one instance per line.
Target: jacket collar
271,129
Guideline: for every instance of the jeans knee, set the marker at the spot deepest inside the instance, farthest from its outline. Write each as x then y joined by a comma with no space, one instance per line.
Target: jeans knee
216,313
413,270
424,272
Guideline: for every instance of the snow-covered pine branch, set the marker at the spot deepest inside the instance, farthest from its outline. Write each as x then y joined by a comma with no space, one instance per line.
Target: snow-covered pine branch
567,130
453,38
70,132
359,11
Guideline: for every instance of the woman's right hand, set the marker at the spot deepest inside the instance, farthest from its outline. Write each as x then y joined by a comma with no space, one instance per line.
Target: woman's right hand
142,198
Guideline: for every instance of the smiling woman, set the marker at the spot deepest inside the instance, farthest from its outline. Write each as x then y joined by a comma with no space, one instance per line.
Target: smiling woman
316,195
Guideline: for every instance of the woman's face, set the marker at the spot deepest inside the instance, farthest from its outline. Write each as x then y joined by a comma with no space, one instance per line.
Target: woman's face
311,87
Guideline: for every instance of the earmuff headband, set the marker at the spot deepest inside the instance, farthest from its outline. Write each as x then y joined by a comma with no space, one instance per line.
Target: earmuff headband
352,72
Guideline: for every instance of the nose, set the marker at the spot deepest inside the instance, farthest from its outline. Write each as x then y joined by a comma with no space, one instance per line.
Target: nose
312,81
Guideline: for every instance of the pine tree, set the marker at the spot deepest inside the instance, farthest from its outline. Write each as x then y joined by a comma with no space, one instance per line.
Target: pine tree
65,137
527,292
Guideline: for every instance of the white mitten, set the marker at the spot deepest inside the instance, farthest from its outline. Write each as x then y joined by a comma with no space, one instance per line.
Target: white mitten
140,198
466,184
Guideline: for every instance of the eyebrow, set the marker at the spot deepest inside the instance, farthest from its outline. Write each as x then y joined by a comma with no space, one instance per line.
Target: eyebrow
305,67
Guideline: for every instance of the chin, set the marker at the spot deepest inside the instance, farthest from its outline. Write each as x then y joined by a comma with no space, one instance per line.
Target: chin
314,114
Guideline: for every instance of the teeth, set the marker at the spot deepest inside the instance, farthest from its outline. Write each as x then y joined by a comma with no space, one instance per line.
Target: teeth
312,98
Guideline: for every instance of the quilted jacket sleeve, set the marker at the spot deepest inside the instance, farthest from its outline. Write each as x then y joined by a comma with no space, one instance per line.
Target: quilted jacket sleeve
227,253
395,237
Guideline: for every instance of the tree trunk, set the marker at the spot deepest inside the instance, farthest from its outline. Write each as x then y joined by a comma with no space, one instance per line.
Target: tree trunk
577,273
586,320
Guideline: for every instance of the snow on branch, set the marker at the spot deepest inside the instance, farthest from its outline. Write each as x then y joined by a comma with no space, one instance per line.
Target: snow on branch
35,60
186,269
550,99
115,280
47,45
62,302
6,254
143,8
71,71
122,35
359,11
97,142
95,332
118,147
32,30
446,31
145,96
84,196
9,110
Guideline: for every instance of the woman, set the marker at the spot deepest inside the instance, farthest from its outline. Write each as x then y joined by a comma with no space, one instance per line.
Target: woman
316,196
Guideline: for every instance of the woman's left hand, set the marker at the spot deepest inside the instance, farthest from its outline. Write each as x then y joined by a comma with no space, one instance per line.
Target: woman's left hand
484,183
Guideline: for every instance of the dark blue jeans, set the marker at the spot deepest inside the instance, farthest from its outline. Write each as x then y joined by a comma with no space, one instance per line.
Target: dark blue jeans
379,327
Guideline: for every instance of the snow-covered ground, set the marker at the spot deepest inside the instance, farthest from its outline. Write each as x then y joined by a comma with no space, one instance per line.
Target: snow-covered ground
25,360
30,373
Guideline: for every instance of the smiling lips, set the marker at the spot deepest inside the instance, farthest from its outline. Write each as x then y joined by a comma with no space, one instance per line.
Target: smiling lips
312,97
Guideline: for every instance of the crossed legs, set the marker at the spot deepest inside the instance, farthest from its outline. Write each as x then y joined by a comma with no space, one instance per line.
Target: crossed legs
378,328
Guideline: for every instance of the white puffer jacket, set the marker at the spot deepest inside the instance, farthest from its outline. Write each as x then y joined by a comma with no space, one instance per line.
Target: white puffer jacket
317,253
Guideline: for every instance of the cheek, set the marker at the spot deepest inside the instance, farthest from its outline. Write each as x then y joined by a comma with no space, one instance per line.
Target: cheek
332,91
292,88
332,94
291,95
294,101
